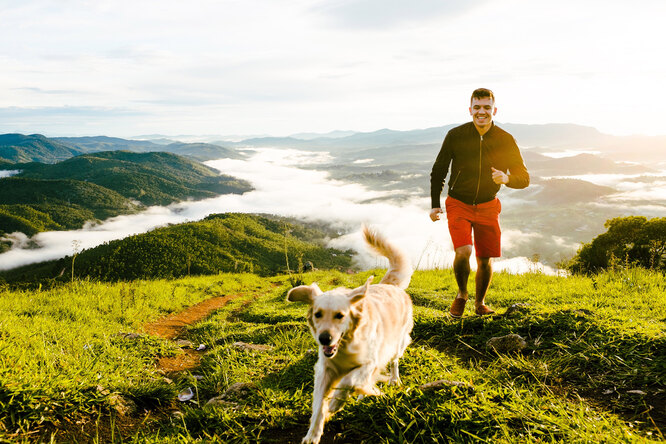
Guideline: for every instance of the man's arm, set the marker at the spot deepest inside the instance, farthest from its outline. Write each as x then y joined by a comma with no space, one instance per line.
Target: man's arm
518,175
439,171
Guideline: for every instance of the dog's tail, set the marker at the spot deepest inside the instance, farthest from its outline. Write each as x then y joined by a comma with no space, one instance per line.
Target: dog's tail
400,268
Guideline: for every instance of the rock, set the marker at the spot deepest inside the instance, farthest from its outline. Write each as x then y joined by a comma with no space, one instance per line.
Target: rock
518,307
252,347
636,392
128,335
218,401
582,312
442,383
184,343
122,405
507,344
238,391
186,395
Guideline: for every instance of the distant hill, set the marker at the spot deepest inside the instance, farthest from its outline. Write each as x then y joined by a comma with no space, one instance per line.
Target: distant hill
579,164
555,134
332,134
199,151
34,205
220,243
154,178
19,148
570,191
552,136
374,139
101,185
549,135
202,151
103,143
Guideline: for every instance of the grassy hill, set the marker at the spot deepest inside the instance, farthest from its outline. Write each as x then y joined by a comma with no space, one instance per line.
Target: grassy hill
229,242
19,148
154,178
33,205
78,365
199,151
92,144
96,186
202,151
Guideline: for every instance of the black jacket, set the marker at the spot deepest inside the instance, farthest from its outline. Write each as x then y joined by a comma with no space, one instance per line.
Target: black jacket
471,157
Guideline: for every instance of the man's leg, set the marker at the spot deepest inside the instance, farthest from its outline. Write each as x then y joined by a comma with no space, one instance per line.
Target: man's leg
461,270
484,274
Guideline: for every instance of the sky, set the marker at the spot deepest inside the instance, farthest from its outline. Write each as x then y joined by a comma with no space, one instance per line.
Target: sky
126,68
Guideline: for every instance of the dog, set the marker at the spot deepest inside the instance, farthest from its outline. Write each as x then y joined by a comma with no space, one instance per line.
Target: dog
359,331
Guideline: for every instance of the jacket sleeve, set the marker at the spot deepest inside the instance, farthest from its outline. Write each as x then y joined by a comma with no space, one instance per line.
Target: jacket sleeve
439,171
518,175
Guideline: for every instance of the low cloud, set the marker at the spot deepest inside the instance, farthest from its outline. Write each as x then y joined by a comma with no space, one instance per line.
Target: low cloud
283,189
8,173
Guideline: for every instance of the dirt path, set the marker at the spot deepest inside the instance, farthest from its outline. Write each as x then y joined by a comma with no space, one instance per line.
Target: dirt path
172,326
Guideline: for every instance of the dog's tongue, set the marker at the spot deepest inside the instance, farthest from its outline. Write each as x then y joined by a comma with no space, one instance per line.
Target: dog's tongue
328,349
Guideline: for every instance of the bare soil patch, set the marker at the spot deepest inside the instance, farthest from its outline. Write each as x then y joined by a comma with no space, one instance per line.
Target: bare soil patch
171,327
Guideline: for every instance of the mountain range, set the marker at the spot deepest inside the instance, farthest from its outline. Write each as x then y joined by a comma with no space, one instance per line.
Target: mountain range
21,148
561,204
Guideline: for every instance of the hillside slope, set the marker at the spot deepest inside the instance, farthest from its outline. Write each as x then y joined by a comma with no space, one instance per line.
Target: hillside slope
20,148
33,205
154,178
65,195
229,242
593,369
199,151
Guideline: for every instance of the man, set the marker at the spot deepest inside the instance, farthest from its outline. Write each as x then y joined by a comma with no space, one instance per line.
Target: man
482,158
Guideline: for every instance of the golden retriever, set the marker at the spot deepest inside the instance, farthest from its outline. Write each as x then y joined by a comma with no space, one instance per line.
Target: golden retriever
360,331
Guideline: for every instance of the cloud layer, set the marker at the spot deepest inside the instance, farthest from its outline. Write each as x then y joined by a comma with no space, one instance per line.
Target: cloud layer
284,189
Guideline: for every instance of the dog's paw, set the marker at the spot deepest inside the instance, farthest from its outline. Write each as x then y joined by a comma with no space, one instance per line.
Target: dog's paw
310,440
395,381
368,391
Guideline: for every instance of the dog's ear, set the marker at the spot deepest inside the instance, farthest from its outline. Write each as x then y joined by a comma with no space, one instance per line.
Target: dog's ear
359,293
304,293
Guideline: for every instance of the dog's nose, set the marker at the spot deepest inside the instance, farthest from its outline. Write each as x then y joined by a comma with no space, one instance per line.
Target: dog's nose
325,338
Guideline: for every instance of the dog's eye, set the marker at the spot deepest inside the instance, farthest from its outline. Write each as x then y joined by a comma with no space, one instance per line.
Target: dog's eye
318,315
339,316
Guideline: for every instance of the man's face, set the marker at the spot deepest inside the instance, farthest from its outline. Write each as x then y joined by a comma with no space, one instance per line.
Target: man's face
482,111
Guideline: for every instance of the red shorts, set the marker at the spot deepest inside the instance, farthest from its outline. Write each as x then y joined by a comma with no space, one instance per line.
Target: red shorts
483,219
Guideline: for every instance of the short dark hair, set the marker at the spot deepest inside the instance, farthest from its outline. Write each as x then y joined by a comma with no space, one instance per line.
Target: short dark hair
481,93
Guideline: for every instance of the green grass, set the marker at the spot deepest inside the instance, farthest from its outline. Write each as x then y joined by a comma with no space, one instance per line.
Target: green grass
594,369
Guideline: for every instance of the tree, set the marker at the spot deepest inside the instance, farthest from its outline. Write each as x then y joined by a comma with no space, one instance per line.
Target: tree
628,241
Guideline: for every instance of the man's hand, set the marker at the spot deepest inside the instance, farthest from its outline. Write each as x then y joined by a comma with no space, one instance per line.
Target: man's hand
434,214
499,177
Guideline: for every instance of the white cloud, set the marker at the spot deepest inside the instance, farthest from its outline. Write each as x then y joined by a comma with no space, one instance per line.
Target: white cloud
274,66
283,189
8,173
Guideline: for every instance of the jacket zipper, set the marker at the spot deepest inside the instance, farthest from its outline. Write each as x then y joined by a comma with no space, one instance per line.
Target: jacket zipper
453,184
478,184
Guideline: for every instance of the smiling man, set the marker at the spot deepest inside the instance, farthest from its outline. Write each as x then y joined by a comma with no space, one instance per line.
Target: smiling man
482,157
